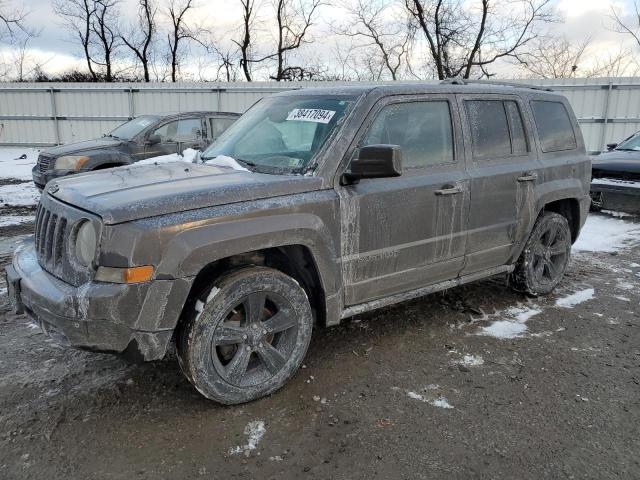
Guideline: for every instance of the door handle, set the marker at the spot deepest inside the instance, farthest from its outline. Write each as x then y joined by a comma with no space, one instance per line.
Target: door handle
528,177
449,190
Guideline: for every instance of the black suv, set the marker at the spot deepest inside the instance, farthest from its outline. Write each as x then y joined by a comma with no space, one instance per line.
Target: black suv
143,137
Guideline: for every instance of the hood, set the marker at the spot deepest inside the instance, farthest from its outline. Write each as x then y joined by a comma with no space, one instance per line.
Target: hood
130,193
617,161
81,147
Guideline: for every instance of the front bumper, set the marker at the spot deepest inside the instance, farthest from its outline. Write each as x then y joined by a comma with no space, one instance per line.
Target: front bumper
617,195
106,317
41,178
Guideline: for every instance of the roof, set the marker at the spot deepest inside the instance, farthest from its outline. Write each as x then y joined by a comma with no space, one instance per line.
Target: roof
446,86
195,112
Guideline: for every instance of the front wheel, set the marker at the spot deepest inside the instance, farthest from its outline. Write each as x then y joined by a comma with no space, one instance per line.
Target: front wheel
545,256
247,336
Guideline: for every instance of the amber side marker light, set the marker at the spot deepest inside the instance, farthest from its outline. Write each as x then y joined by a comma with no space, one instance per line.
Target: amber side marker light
124,275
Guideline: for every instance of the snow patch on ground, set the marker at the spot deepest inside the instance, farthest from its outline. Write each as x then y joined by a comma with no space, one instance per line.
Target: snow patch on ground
255,431
615,182
616,214
19,195
576,298
8,220
626,286
471,361
605,234
440,402
514,325
12,166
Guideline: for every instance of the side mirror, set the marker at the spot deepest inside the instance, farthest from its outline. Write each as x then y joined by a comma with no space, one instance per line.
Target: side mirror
374,161
611,146
153,139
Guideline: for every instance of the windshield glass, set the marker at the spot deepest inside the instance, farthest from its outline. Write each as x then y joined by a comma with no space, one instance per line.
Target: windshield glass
281,134
632,144
128,130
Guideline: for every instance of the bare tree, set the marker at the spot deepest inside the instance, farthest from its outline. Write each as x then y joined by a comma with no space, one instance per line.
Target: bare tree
181,32
554,58
560,58
387,37
245,42
104,25
13,22
630,27
462,37
77,15
140,37
293,19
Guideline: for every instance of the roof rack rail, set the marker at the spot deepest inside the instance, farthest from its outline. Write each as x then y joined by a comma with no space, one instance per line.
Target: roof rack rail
464,81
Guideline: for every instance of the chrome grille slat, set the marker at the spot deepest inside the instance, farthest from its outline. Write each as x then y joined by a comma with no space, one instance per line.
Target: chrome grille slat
48,242
43,163
41,230
58,241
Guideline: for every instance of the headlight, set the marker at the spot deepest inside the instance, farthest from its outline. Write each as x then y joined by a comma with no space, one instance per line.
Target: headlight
70,162
86,243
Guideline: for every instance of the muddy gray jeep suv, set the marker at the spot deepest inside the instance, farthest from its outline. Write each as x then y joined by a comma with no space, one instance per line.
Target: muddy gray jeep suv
315,205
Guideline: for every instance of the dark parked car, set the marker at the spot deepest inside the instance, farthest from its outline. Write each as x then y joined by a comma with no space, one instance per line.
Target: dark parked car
339,201
616,177
143,137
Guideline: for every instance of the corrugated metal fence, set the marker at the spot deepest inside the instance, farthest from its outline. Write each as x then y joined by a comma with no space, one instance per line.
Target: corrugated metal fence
52,113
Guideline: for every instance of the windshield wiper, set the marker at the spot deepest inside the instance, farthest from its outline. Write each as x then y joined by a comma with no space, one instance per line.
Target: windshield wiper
246,162
626,149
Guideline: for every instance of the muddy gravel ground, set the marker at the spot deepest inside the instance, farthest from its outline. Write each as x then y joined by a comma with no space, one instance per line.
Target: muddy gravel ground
425,389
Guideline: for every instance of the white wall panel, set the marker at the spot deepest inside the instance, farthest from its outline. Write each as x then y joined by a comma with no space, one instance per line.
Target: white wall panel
87,110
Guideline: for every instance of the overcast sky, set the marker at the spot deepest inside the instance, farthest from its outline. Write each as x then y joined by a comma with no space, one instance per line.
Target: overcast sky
582,19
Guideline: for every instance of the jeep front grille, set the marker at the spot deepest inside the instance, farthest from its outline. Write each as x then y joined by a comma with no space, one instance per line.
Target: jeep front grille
44,162
50,237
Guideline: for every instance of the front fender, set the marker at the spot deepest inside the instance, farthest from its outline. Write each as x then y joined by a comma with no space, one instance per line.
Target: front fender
101,158
193,249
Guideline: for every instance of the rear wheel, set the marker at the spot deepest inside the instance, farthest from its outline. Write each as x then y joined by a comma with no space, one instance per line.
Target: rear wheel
247,336
545,257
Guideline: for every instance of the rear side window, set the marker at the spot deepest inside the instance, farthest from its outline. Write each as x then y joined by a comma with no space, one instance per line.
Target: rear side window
422,129
554,126
218,125
496,127
516,128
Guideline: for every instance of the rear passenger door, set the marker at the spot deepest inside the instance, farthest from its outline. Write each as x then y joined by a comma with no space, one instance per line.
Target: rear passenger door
401,233
503,170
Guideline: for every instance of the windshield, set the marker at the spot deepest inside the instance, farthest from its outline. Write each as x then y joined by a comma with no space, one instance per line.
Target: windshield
281,134
128,130
631,144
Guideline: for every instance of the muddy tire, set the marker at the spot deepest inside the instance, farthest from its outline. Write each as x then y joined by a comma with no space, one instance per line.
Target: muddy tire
247,335
545,256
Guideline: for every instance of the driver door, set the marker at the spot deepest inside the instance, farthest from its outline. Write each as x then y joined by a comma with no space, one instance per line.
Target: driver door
406,232
176,136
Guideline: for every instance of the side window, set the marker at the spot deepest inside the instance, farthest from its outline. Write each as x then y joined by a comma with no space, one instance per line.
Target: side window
219,125
554,126
489,128
184,130
516,127
422,129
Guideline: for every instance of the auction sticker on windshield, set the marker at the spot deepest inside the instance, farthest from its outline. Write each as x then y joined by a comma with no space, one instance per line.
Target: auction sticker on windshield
311,115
